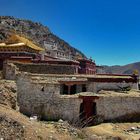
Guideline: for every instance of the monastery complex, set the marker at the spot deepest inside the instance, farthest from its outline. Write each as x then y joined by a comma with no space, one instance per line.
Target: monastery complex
56,85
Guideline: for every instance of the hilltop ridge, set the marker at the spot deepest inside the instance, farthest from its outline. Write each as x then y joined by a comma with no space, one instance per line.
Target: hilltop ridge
125,69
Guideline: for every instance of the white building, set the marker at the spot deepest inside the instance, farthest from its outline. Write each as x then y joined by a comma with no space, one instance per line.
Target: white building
53,50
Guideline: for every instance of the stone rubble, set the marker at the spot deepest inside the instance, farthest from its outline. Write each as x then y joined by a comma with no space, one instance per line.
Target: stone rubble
8,93
10,129
64,126
134,130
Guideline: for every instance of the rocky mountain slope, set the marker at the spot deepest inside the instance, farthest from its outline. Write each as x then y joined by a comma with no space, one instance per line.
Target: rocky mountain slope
35,32
126,69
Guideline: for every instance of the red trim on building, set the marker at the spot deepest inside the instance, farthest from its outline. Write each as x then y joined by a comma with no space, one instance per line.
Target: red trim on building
87,66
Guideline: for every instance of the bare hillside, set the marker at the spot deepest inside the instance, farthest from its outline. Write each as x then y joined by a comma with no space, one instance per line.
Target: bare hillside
126,69
34,31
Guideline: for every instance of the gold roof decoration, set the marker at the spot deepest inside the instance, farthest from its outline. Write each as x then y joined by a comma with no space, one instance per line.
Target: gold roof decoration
17,41
11,45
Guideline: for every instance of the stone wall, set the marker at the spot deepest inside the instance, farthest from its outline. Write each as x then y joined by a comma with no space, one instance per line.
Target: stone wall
91,87
9,71
116,107
44,99
115,86
95,87
46,68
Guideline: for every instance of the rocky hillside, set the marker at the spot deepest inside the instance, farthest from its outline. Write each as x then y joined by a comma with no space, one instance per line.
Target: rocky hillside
8,93
126,69
34,31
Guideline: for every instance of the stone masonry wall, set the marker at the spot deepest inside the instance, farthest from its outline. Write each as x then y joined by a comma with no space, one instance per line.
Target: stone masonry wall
9,71
117,106
115,86
46,68
95,87
44,99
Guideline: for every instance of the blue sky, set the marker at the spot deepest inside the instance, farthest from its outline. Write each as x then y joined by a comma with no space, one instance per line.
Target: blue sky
106,30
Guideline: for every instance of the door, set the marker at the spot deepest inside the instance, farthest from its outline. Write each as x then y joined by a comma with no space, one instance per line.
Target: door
88,107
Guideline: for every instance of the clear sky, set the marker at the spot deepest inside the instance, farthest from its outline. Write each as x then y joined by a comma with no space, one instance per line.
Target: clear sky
106,30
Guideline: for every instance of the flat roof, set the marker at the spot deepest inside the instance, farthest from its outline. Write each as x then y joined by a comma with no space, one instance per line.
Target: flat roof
83,75
131,93
72,79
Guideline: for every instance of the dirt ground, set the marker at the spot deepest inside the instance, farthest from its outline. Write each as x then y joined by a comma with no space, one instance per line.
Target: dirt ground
119,131
14,125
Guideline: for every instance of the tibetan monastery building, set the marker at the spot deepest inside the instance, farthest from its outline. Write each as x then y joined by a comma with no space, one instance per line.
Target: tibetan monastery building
18,48
30,58
21,49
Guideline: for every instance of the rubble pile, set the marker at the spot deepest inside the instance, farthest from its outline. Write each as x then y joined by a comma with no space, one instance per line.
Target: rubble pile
8,93
10,129
64,126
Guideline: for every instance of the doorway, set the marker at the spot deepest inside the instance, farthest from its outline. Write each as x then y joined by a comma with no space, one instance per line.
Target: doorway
94,108
73,89
1,64
88,110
